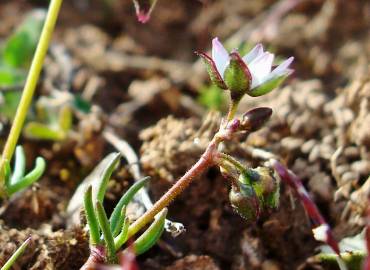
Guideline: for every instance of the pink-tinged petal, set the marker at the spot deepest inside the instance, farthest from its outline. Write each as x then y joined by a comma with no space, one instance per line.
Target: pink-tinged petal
282,69
260,68
143,9
220,56
253,54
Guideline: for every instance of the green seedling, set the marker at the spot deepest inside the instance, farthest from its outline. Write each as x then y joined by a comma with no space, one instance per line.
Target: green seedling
29,88
17,51
15,57
16,180
108,235
212,98
19,252
53,123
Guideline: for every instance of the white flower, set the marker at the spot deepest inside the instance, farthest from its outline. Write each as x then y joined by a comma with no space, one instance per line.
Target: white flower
258,62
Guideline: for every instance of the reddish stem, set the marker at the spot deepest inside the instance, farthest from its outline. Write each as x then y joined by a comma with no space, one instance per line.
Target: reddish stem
313,212
205,161
97,256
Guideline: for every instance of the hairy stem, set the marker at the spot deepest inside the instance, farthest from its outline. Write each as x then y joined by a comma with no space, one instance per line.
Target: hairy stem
232,110
205,161
29,88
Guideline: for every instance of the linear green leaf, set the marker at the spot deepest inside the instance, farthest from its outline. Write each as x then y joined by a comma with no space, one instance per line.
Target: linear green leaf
105,176
30,178
122,237
151,235
121,220
107,233
19,165
125,199
91,218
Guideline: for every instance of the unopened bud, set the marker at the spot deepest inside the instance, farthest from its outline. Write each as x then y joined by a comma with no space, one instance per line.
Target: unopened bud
256,191
255,118
245,202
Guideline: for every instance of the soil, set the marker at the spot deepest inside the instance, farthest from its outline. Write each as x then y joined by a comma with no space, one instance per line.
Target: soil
142,82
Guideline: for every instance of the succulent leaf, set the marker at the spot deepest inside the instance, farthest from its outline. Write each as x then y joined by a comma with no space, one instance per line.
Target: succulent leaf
122,237
29,179
125,199
91,218
107,233
19,165
101,185
151,235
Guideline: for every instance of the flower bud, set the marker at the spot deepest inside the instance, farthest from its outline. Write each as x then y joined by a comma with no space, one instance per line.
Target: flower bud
267,188
256,191
245,202
255,118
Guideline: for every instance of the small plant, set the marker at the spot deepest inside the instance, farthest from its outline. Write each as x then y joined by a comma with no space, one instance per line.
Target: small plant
212,98
53,122
107,236
17,180
28,92
15,57
253,191
16,255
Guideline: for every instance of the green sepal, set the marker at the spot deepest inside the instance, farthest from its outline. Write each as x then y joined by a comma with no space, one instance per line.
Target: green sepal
237,77
151,235
91,218
214,75
125,199
107,233
266,87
